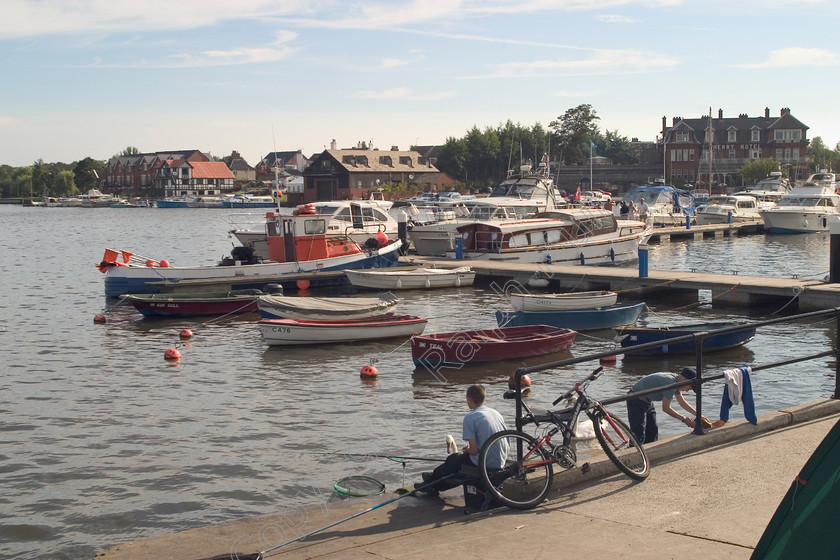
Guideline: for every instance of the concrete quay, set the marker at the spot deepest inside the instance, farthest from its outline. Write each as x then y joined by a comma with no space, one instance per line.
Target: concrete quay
708,496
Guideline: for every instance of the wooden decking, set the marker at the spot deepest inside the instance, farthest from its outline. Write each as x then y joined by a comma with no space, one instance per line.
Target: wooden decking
725,289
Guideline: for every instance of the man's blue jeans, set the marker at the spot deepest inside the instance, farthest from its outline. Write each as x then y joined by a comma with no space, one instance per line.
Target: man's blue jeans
642,417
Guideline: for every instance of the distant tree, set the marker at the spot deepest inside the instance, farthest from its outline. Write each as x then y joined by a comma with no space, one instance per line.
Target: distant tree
822,156
63,184
482,155
85,174
758,169
452,158
619,149
42,178
573,131
128,151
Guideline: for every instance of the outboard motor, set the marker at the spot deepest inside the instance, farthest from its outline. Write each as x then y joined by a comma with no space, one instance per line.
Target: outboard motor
241,254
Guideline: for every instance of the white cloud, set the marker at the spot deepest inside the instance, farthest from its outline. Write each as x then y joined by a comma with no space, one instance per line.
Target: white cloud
615,18
797,56
403,93
600,61
8,121
388,63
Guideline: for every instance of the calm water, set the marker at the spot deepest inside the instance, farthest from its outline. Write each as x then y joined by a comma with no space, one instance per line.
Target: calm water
104,442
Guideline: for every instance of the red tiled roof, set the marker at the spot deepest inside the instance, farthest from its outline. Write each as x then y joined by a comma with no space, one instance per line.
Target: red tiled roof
211,170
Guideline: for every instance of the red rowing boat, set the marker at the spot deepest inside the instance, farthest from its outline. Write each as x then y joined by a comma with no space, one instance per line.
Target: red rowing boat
489,345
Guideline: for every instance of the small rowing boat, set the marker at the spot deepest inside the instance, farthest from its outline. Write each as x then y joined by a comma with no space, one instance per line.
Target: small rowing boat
325,308
182,305
643,335
411,279
489,345
595,318
288,332
560,302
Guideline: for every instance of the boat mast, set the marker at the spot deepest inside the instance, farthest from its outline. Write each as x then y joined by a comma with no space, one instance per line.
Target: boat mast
711,136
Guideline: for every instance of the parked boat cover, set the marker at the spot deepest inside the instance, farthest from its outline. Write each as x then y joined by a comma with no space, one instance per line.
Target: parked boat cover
325,308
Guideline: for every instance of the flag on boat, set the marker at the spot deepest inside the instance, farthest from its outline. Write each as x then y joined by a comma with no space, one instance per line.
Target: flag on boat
577,193
592,145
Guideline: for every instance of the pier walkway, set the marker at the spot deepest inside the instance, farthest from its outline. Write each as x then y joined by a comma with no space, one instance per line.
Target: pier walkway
708,496
726,289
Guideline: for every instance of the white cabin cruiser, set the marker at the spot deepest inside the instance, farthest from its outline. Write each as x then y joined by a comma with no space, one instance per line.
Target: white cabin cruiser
808,208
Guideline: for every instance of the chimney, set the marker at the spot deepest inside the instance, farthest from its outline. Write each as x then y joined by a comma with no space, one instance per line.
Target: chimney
785,111
720,113
767,112
664,123
332,144
743,116
395,148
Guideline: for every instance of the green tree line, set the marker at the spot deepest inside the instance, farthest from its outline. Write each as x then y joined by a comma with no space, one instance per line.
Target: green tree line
50,179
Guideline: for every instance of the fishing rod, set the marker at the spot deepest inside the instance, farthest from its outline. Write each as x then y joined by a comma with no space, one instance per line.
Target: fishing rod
391,457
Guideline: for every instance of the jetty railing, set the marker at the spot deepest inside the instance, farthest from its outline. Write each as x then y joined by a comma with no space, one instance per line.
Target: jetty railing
698,382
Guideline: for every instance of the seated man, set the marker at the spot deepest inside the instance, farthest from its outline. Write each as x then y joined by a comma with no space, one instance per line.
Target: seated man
479,424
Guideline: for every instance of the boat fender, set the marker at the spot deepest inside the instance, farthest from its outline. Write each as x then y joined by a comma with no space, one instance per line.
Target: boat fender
382,238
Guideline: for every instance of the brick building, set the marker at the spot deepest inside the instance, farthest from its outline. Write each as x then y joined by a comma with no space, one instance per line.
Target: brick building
734,142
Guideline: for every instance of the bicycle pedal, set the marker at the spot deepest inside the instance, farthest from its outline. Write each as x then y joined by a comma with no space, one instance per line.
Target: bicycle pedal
584,468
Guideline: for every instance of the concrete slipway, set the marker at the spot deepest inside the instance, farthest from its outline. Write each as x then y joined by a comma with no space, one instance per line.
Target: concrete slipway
707,496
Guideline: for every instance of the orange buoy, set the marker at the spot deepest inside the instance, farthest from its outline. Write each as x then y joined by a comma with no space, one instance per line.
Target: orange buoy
303,284
526,382
369,371
172,354
150,262
164,263
100,318
608,359
186,333
382,238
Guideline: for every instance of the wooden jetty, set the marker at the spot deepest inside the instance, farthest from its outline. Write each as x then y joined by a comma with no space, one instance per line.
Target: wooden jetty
679,233
726,289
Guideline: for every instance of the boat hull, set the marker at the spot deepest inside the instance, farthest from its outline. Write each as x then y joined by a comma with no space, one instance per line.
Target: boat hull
715,342
139,280
294,332
417,279
175,305
577,319
562,302
776,221
489,345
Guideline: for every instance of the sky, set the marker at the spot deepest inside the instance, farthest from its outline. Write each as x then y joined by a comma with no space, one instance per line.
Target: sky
88,78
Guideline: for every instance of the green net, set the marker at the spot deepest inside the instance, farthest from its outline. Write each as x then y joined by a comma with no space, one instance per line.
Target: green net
357,486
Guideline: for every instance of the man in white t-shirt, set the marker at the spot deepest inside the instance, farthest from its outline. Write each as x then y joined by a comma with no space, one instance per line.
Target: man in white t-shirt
479,424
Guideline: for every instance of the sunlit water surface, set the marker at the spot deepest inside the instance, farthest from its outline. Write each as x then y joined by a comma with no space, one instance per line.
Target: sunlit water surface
103,441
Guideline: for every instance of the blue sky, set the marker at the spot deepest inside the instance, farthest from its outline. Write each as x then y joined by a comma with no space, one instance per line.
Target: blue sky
90,77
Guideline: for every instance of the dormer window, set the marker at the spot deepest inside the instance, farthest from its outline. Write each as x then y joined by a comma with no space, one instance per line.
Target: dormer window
406,160
731,135
755,135
682,137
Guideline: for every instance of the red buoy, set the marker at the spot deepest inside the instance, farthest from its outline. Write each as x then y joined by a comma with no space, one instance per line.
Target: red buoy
382,238
150,262
526,382
186,333
172,354
164,263
369,371
100,318
303,285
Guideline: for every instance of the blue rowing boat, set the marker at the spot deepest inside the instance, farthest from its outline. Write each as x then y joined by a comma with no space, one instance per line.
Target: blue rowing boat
721,341
593,318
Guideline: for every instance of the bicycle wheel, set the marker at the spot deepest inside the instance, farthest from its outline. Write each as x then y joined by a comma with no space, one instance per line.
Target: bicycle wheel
515,470
621,446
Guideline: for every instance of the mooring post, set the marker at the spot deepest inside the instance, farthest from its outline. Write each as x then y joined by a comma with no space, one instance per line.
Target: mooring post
834,257
459,247
643,260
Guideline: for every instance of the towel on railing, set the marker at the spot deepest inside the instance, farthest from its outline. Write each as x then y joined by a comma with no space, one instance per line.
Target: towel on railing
738,389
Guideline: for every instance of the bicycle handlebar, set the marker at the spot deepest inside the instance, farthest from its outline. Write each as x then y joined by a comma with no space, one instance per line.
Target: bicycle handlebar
591,377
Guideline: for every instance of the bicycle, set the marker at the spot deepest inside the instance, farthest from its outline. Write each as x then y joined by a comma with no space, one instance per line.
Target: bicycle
517,468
